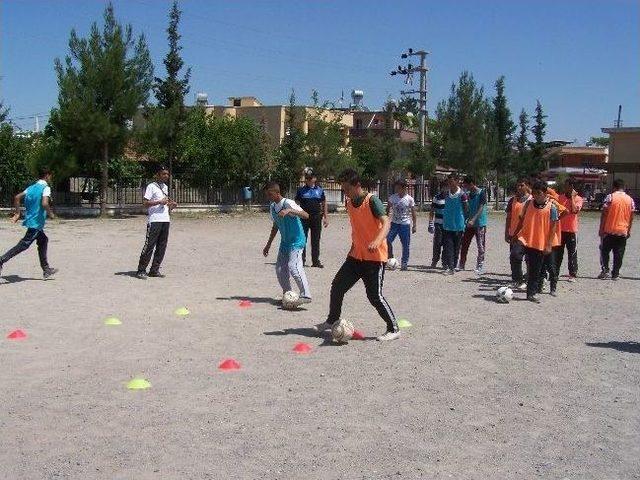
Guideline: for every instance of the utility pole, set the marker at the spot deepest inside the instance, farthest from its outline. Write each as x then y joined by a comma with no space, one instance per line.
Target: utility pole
408,71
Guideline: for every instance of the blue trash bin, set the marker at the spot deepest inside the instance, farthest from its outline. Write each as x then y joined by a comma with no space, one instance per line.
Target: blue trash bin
247,194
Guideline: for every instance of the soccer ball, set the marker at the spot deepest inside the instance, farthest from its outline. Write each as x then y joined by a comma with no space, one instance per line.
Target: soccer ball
342,331
504,294
392,263
290,300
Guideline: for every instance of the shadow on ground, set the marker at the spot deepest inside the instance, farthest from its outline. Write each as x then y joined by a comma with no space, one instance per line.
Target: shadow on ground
17,279
629,347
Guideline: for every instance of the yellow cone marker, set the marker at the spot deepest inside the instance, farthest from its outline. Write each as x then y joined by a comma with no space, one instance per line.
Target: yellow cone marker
112,321
182,311
138,384
403,323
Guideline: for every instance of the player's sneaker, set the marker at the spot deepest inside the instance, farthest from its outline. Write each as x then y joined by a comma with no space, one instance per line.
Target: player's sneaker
317,265
156,275
571,279
449,272
533,298
553,293
404,267
141,275
615,279
49,272
479,270
322,327
604,274
388,337
520,286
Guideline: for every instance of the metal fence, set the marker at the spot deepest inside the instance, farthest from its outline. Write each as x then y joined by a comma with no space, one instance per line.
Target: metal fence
83,191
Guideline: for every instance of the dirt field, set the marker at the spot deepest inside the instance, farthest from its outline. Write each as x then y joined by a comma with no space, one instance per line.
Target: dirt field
474,389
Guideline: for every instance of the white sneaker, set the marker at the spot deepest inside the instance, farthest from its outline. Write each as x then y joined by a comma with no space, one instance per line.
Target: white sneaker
303,301
388,336
479,271
520,286
322,327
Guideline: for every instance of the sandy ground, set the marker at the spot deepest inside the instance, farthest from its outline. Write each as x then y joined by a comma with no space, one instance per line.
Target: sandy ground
474,389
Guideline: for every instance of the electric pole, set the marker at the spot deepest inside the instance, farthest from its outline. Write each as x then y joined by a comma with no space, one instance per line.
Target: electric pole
408,71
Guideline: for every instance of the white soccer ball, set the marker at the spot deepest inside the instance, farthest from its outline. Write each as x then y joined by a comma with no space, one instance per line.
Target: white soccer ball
392,264
290,300
342,331
504,295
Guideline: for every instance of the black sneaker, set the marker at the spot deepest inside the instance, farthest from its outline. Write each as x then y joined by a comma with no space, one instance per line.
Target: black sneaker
317,265
604,275
533,298
156,275
553,293
49,272
141,275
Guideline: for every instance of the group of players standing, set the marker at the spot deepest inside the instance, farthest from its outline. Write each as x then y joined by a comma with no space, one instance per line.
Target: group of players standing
540,224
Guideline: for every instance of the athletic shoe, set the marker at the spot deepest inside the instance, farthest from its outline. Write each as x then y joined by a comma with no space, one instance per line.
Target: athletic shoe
448,272
433,265
553,293
141,275
533,298
303,301
49,272
479,270
604,275
0,269
571,279
322,327
457,269
388,336
520,286
317,265
404,267
156,275
615,279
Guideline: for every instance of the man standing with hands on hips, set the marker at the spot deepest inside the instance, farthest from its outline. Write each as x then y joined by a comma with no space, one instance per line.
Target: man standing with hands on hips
312,199
158,203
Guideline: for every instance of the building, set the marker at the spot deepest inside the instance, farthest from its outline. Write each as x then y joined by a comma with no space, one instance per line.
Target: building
374,123
624,157
273,118
585,164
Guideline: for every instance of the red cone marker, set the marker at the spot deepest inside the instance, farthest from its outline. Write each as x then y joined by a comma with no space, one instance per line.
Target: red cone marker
229,364
17,335
245,303
358,335
302,348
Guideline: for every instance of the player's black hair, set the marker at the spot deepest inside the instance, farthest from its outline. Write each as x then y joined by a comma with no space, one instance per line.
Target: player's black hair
469,180
161,168
525,180
618,183
400,182
539,186
272,186
454,176
349,176
43,172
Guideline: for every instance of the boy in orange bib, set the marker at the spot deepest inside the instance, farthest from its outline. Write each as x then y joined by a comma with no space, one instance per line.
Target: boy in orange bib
536,231
615,228
368,255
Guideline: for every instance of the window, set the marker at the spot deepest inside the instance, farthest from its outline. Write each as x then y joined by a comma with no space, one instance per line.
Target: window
376,121
359,124
237,102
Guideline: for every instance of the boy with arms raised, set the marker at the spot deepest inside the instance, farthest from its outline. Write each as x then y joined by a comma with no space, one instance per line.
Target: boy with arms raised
367,257
286,215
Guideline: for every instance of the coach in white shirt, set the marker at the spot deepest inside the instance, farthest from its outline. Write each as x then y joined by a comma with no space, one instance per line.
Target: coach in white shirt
156,199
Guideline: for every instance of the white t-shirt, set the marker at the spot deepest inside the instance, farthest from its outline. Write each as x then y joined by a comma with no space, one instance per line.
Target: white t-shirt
401,208
157,191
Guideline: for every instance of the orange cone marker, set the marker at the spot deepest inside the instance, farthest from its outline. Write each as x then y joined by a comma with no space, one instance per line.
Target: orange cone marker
17,335
302,348
229,364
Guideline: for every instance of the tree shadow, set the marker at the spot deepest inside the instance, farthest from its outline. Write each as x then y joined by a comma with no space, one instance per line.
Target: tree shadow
629,347
17,279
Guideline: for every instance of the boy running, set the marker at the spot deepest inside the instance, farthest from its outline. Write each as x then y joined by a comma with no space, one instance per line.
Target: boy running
516,248
535,232
456,208
435,224
615,228
569,229
366,259
286,215
37,203
403,220
159,205
476,224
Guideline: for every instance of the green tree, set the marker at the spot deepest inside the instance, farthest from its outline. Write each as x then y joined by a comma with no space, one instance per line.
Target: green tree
224,151
598,142
522,165
538,147
15,171
503,130
102,83
4,112
325,149
466,125
291,154
165,121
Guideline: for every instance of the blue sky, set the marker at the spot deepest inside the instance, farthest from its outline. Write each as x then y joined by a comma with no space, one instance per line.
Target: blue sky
581,58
